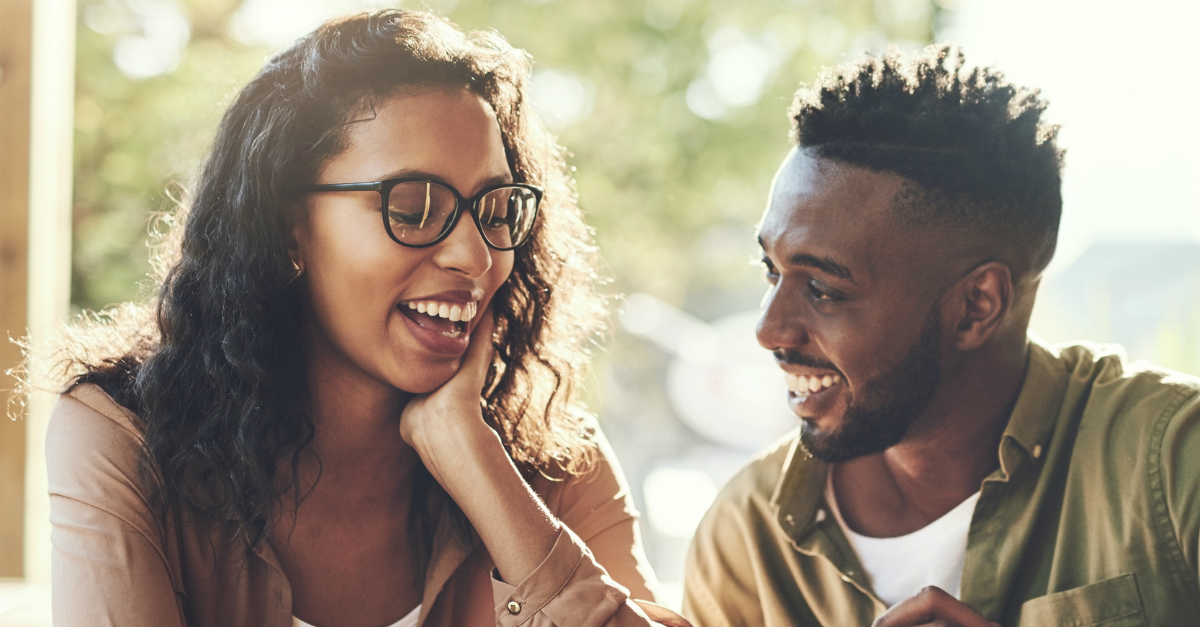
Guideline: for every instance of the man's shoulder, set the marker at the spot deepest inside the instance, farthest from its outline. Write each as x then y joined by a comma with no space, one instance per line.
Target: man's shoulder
750,491
1113,410
1107,388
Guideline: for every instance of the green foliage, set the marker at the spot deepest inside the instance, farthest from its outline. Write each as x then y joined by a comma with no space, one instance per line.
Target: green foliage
138,142
673,196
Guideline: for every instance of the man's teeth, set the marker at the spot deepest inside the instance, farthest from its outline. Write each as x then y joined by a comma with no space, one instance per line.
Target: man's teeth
454,312
805,385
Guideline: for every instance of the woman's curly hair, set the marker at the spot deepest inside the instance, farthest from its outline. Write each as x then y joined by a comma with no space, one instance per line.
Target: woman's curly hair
214,365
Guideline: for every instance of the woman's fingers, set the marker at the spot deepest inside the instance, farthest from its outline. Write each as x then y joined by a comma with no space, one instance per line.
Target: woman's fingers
932,606
457,401
467,383
480,350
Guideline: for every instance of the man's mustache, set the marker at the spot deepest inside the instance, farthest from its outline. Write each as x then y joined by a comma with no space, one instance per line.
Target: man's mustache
800,359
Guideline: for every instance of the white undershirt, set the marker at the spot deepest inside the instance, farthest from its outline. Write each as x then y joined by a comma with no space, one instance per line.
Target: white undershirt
408,621
899,567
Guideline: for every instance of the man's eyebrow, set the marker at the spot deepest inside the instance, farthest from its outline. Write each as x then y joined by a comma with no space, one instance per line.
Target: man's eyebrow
824,264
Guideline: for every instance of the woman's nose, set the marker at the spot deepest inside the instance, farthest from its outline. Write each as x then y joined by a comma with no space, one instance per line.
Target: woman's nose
464,250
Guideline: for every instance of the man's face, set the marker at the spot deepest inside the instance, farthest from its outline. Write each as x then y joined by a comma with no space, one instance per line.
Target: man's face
852,313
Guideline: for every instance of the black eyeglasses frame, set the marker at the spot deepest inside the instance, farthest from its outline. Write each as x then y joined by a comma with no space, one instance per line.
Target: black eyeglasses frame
385,186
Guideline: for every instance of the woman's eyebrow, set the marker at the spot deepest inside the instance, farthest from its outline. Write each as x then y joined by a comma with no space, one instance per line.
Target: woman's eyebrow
499,179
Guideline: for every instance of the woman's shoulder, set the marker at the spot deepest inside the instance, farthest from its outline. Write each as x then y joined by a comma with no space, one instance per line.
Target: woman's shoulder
93,450
89,402
87,418
593,500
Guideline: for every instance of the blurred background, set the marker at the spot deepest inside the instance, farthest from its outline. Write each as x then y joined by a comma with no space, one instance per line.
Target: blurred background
674,112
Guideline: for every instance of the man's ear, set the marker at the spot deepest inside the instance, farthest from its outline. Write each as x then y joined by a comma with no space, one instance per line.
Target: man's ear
978,304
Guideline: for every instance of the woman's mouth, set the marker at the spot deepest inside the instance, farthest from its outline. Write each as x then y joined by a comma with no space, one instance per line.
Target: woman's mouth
804,386
450,320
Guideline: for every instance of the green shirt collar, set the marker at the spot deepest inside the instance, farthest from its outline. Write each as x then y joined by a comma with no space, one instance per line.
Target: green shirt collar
799,493
1034,415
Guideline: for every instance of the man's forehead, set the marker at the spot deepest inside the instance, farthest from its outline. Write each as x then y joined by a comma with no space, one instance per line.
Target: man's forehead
819,203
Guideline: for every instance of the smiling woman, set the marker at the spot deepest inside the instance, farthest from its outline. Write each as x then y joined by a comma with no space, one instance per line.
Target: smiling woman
351,403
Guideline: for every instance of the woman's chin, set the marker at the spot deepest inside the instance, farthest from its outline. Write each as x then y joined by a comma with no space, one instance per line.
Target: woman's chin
431,377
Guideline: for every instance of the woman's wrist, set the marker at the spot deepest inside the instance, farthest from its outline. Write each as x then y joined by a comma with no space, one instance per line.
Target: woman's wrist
468,459
449,445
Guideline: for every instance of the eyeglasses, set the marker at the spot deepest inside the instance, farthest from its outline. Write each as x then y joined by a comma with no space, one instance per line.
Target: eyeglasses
419,213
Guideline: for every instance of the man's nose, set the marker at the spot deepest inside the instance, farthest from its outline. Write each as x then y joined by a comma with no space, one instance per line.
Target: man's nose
464,250
781,321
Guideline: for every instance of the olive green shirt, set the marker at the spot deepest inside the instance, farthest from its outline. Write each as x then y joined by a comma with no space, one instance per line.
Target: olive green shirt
1092,518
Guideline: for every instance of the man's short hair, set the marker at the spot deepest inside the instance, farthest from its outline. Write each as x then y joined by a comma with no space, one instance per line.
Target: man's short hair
983,161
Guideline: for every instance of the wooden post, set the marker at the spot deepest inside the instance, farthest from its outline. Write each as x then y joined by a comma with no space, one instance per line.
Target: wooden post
51,163
15,52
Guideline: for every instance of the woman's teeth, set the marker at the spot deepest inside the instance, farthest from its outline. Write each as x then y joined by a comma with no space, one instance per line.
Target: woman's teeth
805,386
454,312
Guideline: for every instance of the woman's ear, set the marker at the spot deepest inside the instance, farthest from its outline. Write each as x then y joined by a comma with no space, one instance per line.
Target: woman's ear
297,235
979,303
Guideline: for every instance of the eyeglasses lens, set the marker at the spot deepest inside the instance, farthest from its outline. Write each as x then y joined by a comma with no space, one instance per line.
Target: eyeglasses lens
506,215
418,211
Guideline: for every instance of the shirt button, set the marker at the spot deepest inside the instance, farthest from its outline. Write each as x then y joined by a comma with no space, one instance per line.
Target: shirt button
514,607
1037,451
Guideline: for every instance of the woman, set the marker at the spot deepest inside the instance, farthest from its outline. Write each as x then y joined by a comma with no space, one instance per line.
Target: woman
382,230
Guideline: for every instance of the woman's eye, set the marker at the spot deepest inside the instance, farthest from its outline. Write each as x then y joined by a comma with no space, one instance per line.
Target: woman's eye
495,223
406,218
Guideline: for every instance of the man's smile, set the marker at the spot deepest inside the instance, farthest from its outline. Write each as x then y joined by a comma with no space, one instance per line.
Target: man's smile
804,386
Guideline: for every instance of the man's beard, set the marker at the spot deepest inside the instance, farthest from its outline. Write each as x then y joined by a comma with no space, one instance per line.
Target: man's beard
888,405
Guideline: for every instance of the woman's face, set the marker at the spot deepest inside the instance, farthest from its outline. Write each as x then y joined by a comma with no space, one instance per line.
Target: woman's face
364,289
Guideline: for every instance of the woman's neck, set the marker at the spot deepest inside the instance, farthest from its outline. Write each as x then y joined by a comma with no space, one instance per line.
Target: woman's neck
357,428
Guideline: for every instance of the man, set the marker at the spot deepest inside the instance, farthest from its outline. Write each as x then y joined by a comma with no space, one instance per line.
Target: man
947,467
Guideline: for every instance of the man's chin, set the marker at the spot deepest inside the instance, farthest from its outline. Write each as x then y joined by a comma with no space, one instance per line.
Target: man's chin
839,446
823,445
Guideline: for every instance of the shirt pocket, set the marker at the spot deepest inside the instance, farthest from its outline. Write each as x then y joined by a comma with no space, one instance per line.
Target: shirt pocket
1110,603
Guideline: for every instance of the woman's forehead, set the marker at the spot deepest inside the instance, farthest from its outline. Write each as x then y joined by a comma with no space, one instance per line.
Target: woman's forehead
450,132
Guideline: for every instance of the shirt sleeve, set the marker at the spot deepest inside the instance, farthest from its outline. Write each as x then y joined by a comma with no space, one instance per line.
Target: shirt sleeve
597,572
109,564
1180,465
720,588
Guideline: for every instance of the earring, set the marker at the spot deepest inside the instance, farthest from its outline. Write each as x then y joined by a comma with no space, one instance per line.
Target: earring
299,271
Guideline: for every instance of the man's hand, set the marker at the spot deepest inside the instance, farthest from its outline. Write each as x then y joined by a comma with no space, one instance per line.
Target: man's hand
932,607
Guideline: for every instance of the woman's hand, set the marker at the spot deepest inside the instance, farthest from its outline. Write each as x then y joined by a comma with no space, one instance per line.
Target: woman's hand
454,407
468,459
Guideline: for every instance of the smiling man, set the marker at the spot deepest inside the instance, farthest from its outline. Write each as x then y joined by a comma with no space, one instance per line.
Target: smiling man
949,469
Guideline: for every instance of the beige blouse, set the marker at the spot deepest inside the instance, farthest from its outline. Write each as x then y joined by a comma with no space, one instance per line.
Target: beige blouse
116,563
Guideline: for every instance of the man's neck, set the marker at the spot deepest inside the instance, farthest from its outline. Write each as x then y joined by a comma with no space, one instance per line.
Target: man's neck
943,459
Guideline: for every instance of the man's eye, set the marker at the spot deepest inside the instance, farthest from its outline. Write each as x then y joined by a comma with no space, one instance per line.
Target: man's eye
769,271
822,292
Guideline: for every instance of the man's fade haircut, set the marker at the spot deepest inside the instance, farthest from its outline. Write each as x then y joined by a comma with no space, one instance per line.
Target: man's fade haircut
983,161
